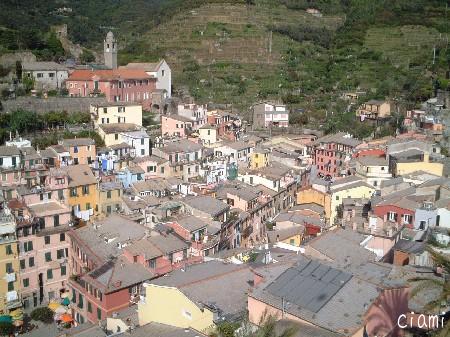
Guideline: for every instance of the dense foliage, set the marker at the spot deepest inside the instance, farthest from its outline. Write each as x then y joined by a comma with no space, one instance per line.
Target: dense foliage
42,314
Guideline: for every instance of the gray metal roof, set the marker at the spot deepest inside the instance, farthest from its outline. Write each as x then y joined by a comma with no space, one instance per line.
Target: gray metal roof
309,285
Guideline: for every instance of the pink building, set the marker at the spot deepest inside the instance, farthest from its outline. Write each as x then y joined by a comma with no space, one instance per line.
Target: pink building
175,125
42,223
118,85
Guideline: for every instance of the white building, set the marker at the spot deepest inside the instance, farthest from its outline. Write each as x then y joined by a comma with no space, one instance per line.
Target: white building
47,75
9,156
196,113
373,170
236,151
139,141
269,114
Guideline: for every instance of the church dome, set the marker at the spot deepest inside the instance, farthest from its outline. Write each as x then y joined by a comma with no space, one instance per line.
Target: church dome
110,36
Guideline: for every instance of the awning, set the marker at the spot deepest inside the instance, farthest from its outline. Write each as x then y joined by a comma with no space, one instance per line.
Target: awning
66,318
5,319
53,306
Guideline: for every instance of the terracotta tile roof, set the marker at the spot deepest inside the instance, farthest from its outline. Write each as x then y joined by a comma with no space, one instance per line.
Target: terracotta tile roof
109,75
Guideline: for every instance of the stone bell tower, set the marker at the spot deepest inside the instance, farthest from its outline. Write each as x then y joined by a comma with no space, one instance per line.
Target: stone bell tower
110,51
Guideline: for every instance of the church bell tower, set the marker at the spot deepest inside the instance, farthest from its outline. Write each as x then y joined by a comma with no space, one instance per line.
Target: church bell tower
110,51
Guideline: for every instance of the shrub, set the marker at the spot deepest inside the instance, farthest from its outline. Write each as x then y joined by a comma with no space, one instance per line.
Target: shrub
42,314
6,328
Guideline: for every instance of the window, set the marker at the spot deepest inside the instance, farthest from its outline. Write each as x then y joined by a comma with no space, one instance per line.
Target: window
73,192
60,254
85,189
10,286
60,194
162,170
22,264
422,225
116,136
47,239
162,72
8,250
88,206
337,197
292,242
56,220
108,209
89,306
108,194
142,152
63,270
407,218
26,282
80,301
152,263
392,216
62,237
9,268
49,274
48,256
31,262
75,161
28,246
39,75
75,149
142,141
99,314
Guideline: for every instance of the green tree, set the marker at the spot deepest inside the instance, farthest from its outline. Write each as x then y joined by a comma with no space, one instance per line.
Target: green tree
24,121
6,328
42,314
87,56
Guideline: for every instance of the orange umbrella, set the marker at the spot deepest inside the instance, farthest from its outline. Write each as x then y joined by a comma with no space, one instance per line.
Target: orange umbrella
66,318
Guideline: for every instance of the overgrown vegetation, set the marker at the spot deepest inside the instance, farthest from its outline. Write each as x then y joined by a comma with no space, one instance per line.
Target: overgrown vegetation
42,314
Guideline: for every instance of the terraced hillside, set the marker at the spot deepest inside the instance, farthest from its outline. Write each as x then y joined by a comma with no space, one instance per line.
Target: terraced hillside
227,53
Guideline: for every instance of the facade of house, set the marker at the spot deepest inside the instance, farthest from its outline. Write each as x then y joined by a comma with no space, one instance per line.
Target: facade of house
118,85
139,141
208,135
10,297
111,133
83,192
109,197
46,75
268,114
331,153
160,71
259,158
9,157
374,109
196,113
373,170
174,125
82,150
116,112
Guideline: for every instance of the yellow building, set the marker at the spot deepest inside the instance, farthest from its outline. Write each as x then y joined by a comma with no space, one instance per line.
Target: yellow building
354,189
111,133
291,236
9,264
109,197
83,194
405,166
309,195
197,296
168,305
259,158
114,112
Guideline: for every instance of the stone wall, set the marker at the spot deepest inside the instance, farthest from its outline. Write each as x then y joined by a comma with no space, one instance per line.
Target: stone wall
41,105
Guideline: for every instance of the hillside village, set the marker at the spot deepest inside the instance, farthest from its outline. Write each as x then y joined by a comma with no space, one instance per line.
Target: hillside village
161,216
